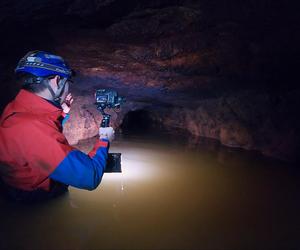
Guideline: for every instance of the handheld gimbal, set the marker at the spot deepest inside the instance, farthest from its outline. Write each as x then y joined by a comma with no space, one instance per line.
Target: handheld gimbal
111,100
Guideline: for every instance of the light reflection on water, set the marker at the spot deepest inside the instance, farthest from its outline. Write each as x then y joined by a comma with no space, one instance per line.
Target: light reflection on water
167,197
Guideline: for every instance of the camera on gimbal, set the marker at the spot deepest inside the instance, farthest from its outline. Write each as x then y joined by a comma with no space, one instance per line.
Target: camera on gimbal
111,100
108,98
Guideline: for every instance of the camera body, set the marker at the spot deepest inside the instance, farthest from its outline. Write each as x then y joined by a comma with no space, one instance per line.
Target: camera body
106,98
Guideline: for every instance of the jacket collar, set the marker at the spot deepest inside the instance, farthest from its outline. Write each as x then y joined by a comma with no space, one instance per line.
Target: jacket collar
26,101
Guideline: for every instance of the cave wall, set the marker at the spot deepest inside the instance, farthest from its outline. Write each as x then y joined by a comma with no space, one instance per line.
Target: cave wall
220,69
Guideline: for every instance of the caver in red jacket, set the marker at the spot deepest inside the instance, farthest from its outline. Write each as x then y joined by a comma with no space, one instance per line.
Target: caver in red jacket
34,152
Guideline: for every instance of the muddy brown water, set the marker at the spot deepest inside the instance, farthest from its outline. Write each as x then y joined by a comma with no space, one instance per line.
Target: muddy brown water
169,196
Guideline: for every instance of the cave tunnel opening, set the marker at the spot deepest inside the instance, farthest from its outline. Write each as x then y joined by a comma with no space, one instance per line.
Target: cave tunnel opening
139,122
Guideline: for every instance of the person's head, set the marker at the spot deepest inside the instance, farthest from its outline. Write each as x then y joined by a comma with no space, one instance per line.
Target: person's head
44,74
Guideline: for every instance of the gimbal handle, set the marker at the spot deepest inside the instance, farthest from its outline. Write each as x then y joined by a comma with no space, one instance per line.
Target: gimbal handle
105,121
105,117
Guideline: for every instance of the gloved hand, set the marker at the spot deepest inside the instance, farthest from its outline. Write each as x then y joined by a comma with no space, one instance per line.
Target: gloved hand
107,133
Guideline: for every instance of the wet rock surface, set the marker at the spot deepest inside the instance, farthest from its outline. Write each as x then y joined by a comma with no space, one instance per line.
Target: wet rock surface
249,120
214,69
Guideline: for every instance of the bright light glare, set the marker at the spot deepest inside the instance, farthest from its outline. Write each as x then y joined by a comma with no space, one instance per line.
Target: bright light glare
136,165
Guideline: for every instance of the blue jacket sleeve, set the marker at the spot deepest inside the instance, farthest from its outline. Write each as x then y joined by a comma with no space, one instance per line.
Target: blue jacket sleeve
80,170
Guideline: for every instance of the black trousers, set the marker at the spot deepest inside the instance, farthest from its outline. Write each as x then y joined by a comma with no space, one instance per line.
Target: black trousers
38,195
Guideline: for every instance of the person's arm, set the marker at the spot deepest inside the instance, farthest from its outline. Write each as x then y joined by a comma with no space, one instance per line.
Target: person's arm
83,171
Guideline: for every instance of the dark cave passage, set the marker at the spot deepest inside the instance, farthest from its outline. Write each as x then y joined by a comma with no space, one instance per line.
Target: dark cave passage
140,122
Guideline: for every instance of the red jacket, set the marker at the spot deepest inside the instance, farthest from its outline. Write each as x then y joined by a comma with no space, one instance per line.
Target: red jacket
32,147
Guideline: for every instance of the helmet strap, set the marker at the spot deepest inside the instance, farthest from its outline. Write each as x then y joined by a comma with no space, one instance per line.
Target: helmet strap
61,86
60,90
33,80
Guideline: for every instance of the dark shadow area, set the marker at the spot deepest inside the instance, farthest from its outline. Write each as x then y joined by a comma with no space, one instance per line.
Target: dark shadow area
140,122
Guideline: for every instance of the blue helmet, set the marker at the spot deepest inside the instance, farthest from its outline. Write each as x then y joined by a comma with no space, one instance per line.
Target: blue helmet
42,64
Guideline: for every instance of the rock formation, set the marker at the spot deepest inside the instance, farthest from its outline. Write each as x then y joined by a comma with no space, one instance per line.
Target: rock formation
220,70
